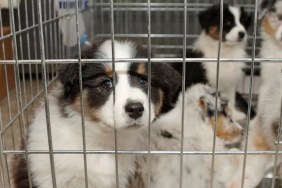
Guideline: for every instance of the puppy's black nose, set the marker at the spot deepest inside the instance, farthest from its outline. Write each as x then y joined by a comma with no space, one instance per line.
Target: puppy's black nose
241,34
134,110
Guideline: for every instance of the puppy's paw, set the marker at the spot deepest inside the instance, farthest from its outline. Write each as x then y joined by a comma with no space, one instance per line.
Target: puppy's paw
238,116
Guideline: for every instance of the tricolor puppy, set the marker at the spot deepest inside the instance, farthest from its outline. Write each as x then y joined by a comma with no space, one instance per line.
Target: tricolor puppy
129,113
234,36
264,127
199,123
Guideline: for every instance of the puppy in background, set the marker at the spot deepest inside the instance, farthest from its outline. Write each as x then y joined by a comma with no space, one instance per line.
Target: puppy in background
264,127
129,115
199,123
234,37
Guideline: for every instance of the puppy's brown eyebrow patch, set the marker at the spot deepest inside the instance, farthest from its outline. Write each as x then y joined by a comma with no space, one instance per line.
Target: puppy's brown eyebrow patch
213,32
108,71
141,69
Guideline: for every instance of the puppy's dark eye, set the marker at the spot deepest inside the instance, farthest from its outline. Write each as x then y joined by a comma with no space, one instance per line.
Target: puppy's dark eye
272,9
280,17
107,84
142,81
228,23
231,121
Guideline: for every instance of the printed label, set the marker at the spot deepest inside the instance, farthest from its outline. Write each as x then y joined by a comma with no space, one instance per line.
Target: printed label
71,4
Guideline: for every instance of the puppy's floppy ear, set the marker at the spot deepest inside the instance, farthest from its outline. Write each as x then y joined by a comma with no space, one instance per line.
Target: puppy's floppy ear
245,18
207,103
170,82
69,76
207,17
202,103
69,73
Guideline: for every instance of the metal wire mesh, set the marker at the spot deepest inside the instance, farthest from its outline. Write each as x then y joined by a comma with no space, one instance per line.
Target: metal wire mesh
38,44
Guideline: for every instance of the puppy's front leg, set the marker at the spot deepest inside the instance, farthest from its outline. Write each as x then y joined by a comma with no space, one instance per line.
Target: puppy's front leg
255,169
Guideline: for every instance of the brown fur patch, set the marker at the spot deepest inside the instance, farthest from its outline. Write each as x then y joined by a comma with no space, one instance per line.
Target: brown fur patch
213,32
90,113
226,134
267,27
259,140
202,104
141,69
159,104
109,71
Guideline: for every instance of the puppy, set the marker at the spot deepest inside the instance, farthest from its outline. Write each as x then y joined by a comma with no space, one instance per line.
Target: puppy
264,128
234,36
129,113
199,124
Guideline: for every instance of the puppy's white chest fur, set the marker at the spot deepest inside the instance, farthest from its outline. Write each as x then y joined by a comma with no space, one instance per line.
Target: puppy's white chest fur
67,135
229,72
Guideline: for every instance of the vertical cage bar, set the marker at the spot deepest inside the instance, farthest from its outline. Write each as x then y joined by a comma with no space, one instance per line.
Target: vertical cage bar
21,55
4,167
6,76
56,39
2,143
18,84
68,48
277,148
217,93
17,76
94,15
114,84
45,90
149,89
81,95
250,92
46,36
52,46
35,46
183,92
28,50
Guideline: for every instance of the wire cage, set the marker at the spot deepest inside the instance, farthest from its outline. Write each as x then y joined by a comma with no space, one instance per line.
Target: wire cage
38,35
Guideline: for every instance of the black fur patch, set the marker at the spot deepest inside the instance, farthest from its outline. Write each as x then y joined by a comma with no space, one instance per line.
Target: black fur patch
242,105
166,134
211,18
275,127
163,77
19,172
245,18
166,78
195,71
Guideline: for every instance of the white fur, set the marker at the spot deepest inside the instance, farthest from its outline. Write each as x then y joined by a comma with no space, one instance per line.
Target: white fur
198,136
268,112
229,72
232,36
67,135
